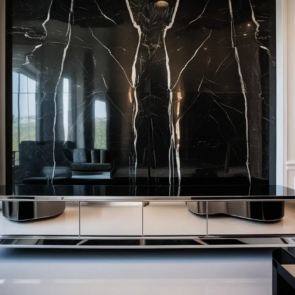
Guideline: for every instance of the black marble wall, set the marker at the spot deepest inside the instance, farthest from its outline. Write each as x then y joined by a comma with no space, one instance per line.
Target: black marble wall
174,90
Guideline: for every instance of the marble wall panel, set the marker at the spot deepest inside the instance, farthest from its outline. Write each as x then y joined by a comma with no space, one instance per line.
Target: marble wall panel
173,89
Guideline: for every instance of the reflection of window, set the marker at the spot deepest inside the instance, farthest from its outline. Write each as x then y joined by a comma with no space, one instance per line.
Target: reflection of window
100,125
65,95
24,110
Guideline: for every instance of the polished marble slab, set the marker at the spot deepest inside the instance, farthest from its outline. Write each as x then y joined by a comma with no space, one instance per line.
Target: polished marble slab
109,190
172,89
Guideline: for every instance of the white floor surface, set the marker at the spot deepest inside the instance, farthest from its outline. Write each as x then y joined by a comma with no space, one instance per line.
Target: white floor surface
140,272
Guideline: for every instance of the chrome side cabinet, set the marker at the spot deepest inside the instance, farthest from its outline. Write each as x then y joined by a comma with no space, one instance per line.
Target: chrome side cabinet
29,211
259,211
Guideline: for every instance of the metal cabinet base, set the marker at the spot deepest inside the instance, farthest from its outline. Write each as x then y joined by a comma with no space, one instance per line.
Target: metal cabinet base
28,211
75,242
259,211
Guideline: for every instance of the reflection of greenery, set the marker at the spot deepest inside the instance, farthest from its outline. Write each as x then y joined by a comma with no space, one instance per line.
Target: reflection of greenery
27,130
100,139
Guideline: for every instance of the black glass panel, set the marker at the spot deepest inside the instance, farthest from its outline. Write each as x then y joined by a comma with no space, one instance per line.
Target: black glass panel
142,92
238,192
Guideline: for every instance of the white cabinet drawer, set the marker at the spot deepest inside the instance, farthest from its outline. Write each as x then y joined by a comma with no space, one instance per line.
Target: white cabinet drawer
172,219
65,224
236,225
110,219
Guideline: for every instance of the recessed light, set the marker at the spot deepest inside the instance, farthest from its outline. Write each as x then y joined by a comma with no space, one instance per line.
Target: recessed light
161,4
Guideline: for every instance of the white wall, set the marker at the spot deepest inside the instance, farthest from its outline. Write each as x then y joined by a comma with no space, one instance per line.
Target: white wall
286,92
2,92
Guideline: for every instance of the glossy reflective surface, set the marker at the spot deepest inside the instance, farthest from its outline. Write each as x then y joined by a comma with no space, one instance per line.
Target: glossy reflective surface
162,192
170,92
137,272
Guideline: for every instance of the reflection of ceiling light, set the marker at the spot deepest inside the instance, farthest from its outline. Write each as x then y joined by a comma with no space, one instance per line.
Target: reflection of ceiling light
130,95
205,48
249,25
245,34
162,4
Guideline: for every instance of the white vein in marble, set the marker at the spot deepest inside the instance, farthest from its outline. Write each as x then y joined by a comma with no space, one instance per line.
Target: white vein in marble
69,35
243,87
200,14
104,14
133,78
170,110
47,20
257,31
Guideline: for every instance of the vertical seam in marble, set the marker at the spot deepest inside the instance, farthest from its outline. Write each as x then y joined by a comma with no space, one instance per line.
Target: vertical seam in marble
133,79
69,34
170,109
259,43
231,23
243,87
178,164
154,153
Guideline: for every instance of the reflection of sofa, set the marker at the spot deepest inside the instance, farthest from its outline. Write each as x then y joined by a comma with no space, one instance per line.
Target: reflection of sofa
90,162
36,160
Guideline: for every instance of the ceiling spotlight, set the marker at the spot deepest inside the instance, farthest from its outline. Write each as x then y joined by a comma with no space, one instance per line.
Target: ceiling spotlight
249,25
162,4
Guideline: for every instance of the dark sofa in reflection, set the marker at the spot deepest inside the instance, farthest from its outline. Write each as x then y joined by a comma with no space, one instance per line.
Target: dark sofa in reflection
36,161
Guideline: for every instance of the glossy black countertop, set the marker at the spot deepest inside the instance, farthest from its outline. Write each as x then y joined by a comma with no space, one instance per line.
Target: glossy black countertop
141,192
